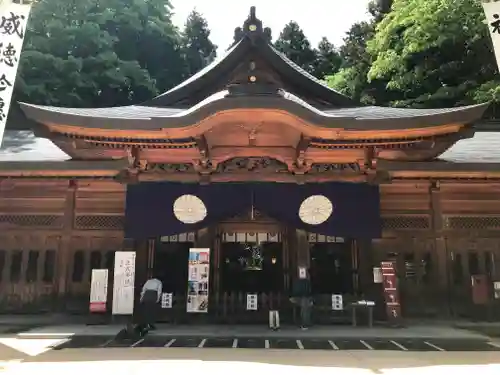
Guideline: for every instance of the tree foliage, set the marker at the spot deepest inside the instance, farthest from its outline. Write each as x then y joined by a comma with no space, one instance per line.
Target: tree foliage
86,53
433,52
352,78
328,59
197,48
293,43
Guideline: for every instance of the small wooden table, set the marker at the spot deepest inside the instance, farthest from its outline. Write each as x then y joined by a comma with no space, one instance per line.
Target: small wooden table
366,305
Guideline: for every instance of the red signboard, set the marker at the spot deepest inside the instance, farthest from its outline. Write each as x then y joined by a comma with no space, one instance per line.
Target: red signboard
391,294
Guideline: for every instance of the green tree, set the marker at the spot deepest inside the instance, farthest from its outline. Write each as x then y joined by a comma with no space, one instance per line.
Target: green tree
328,60
434,53
293,43
85,53
352,78
197,48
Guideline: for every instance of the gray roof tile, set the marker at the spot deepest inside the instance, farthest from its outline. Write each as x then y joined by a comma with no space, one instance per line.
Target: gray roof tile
24,146
138,112
484,147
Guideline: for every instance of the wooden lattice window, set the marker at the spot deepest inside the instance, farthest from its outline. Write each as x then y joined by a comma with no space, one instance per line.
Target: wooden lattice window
32,267
78,266
473,222
405,222
458,269
32,220
2,264
95,260
49,266
99,222
16,262
109,260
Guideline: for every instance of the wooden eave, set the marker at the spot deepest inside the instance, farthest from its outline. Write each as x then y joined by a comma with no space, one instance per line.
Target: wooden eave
62,169
439,170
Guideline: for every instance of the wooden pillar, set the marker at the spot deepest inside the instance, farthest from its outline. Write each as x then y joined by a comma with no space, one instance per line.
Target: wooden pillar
64,253
365,266
285,235
443,281
303,257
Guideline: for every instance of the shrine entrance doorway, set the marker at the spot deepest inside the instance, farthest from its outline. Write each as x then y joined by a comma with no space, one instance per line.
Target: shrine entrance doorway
251,263
334,264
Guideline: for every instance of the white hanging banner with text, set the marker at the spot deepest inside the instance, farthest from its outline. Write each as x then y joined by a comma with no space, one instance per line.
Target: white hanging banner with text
98,290
13,21
124,283
492,12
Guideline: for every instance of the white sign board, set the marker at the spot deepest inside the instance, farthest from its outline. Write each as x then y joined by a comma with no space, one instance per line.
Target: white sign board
124,283
377,275
198,276
337,302
166,300
252,302
13,21
98,290
302,273
496,289
492,12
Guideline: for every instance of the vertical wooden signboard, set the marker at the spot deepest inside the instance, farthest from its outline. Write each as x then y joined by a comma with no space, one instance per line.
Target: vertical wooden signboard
391,293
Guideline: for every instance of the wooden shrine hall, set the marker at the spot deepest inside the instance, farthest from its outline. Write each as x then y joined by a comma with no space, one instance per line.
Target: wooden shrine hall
270,169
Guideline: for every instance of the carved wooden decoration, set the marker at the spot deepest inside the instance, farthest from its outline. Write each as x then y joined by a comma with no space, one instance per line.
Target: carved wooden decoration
326,168
170,168
236,165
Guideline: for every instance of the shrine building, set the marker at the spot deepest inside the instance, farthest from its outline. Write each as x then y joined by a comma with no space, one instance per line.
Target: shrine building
271,170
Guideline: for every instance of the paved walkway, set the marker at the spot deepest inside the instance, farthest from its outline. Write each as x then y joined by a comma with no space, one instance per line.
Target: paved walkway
331,332
211,361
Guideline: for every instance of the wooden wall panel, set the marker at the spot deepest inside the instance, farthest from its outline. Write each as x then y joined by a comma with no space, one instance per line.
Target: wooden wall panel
470,198
404,198
405,208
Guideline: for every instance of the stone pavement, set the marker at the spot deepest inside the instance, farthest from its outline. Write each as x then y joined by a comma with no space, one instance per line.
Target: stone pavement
211,361
416,331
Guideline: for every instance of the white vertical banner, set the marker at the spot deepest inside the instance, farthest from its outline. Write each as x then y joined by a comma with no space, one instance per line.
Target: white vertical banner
198,276
492,12
166,300
252,302
13,21
98,290
124,283
337,302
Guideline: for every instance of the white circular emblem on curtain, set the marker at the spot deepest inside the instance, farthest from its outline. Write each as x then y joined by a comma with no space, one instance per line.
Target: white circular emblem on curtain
315,209
189,209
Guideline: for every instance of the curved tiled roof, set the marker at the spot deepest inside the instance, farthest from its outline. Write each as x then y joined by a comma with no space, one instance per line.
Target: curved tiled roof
149,118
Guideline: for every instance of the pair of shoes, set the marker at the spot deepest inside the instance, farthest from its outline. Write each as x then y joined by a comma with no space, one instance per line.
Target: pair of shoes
304,328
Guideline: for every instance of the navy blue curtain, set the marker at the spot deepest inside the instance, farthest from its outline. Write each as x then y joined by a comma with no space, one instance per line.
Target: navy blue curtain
356,211
356,207
149,206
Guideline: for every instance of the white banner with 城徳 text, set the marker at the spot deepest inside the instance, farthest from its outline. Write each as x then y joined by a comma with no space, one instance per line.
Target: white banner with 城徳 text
492,12
13,21
124,283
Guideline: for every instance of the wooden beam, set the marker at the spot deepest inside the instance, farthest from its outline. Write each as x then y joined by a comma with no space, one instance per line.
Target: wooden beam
252,177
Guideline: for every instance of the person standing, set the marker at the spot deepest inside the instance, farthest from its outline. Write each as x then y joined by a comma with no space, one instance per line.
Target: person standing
148,304
302,295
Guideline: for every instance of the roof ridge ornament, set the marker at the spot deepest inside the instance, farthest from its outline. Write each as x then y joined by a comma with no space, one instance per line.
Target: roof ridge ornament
252,28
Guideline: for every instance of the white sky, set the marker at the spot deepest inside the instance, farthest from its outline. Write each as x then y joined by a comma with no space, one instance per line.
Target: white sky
318,18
